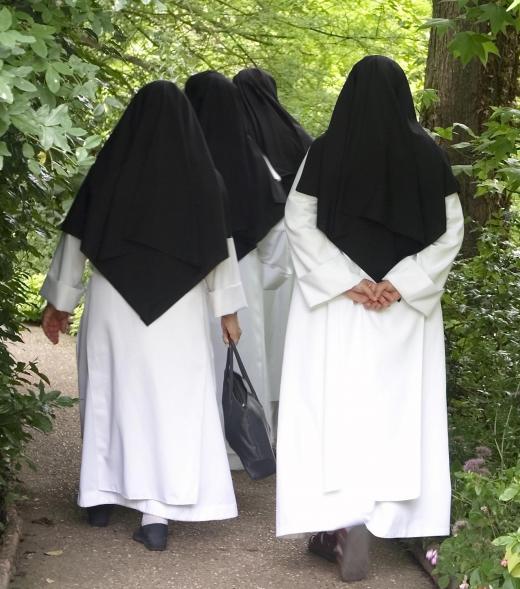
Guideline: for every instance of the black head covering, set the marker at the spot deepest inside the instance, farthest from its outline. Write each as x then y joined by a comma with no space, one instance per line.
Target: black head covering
278,134
379,178
150,212
254,196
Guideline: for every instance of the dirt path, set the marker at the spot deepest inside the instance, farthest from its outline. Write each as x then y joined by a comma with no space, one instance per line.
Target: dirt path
235,554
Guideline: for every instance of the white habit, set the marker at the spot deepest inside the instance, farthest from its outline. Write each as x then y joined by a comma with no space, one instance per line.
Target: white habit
152,438
362,432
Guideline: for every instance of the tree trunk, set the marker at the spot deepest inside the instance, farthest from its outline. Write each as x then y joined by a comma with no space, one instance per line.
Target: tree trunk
466,96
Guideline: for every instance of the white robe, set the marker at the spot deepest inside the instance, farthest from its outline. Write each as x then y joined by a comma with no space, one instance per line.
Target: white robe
362,434
152,439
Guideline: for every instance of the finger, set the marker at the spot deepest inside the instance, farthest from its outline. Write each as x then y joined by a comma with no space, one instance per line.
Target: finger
366,290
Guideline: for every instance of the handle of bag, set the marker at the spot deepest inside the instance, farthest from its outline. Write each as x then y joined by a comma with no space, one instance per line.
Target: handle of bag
245,376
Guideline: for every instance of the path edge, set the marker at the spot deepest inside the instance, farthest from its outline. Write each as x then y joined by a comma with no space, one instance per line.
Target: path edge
9,546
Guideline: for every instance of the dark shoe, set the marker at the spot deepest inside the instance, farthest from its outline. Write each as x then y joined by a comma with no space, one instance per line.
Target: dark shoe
153,536
324,544
99,515
353,549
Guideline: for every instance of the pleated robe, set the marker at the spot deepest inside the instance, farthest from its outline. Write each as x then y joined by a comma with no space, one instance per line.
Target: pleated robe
362,430
152,439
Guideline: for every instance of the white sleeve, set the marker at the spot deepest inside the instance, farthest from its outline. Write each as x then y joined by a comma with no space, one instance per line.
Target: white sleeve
226,294
322,269
63,286
273,253
420,278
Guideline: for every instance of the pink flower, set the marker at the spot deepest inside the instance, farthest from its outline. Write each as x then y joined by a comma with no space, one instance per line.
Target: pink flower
464,585
431,556
503,562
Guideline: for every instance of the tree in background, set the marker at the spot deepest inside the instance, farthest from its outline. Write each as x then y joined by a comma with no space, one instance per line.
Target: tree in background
473,63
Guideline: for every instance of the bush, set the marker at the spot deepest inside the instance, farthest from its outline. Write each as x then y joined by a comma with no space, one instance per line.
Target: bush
484,550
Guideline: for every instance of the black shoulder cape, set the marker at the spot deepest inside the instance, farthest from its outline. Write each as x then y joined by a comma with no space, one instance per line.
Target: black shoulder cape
379,178
279,135
254,196
150,212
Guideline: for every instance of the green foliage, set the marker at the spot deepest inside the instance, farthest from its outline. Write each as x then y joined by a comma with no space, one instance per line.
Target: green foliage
494,18
31,308
482,322
484,550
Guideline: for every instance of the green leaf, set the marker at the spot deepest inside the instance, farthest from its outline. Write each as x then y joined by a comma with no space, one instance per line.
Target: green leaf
443,25
444,132
4,149
47,137
498,17
463,169
25,85
52,79
6,18
40,48
501,541
28,150
6,94
92,141
509,493
468,45
34,167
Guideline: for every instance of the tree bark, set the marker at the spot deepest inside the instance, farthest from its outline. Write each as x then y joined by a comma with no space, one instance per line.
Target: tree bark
467,95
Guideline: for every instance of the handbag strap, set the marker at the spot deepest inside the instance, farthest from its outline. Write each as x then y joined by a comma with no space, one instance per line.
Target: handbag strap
245,376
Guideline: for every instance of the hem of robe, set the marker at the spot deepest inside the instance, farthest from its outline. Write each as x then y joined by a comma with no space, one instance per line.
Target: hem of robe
186,513
410,531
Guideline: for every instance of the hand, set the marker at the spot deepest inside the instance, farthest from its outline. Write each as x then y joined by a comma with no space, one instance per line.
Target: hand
386,294
230,328
362,293
54,321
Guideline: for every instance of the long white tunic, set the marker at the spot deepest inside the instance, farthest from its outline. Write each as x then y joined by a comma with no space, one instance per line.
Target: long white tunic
152,439
362,434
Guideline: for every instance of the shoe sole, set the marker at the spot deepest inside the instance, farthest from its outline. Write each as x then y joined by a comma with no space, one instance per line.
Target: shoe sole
354,560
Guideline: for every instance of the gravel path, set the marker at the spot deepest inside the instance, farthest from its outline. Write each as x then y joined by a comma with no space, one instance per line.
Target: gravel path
235,554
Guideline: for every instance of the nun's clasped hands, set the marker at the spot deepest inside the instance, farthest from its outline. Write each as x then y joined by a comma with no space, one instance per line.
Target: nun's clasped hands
374,296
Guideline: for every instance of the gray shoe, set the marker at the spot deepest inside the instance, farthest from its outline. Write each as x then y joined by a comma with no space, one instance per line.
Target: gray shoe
353,553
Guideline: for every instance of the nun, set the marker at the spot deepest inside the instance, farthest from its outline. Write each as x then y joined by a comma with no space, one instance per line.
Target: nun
150,216
256,201
283,143
374,224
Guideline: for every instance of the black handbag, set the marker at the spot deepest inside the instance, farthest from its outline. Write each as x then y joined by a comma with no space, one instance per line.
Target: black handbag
245,425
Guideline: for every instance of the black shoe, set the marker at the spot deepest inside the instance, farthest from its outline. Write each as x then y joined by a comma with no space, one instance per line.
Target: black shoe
324,544
99,515
153,536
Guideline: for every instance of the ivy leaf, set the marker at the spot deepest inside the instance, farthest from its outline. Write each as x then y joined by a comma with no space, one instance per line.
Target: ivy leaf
4,150
497,16
52,79
466,45
6,19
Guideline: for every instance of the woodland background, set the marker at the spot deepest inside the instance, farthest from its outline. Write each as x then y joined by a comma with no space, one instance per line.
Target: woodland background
68,68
